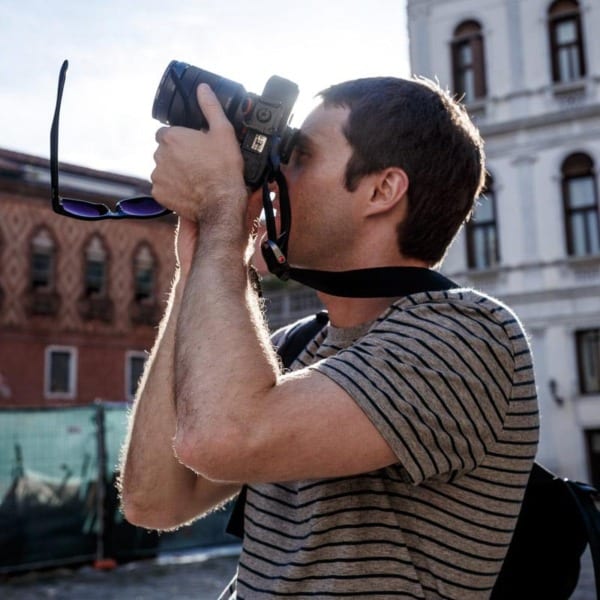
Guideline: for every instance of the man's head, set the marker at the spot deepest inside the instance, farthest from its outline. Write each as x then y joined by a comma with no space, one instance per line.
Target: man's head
418,127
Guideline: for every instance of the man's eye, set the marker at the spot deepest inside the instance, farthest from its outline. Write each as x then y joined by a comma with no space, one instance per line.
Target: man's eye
299,155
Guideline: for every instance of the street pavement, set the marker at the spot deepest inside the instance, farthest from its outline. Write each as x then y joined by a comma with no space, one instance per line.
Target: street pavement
190,576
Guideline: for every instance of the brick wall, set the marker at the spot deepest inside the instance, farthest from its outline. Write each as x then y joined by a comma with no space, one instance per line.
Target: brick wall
102,338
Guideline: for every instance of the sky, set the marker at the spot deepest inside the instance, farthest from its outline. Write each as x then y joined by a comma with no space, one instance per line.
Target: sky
119,49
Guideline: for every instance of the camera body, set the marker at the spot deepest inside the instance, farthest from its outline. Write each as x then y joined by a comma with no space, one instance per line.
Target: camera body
260,122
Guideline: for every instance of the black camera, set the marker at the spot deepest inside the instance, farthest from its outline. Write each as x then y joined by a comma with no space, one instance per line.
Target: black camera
260,122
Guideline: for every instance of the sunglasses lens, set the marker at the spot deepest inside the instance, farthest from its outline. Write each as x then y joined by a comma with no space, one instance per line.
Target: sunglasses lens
142,206
80,208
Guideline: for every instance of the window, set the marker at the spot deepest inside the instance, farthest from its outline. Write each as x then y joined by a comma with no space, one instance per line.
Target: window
42,261
95,303
144,273
483,251
144,309
588,360
468,62
566,41
95,268
580,198
61,372
41,298
134,367
593,445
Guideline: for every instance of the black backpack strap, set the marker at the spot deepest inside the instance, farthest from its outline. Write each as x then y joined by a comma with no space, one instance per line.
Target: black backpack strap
557,520
299,335
235,525
585,498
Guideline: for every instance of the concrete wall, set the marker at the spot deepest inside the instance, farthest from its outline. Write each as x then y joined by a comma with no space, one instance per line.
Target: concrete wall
530,125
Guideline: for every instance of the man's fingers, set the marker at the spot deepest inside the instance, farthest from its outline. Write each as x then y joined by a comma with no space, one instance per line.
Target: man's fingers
210,106
160,133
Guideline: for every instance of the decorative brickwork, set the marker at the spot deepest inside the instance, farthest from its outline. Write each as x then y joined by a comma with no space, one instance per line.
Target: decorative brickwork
101,327
93,290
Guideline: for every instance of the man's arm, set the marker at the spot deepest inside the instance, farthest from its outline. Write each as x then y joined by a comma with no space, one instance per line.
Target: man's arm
238,419
158,492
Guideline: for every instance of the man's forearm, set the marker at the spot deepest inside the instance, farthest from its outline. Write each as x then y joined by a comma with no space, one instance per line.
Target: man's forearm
224,358
157,490
150,471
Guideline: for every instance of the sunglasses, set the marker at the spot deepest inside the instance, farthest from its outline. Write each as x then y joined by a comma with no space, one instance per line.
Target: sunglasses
136,207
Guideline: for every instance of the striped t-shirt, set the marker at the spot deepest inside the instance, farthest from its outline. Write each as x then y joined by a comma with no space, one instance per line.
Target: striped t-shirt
447,379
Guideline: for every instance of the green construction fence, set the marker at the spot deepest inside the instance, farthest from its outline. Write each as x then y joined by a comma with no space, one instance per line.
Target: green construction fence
58,501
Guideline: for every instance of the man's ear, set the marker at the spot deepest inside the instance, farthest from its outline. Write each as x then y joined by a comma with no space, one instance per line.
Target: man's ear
389,190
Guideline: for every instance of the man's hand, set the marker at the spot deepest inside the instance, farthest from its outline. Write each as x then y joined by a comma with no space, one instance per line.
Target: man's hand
199,174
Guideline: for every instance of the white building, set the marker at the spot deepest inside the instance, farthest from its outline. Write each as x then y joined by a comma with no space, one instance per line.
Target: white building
529,71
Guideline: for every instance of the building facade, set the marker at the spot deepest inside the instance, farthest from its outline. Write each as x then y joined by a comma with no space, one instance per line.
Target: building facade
529,74
79,300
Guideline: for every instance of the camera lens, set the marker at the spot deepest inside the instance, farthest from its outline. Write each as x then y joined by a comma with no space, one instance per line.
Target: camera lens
175,101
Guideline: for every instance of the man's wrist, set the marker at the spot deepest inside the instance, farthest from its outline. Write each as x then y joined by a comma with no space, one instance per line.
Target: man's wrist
223,229
222,204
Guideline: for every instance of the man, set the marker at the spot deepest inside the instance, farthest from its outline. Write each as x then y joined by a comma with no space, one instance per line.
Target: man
392,461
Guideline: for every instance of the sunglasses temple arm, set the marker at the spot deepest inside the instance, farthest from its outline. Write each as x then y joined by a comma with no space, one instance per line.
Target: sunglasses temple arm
54,135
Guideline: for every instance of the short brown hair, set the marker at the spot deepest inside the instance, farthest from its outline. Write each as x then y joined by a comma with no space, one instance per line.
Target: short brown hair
415,125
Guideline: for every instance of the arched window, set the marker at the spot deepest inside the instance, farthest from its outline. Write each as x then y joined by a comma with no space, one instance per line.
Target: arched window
580,198
566,41
41,297
588,360
95,303
42,261
483,249
468,64
95,274
144,273
144,308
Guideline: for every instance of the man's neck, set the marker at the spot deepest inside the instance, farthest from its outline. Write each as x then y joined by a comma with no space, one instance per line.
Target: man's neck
351,312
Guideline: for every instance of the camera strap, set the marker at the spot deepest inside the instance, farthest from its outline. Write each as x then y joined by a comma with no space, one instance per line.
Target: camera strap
274,247
381,282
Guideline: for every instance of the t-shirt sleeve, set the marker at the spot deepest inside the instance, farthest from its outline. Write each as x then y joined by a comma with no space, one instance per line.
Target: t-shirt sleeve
435,380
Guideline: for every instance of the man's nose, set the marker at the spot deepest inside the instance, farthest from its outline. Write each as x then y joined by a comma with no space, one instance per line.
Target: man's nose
289,174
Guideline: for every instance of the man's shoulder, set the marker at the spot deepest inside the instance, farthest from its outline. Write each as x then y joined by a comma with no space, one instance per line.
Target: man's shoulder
452,316
466,302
